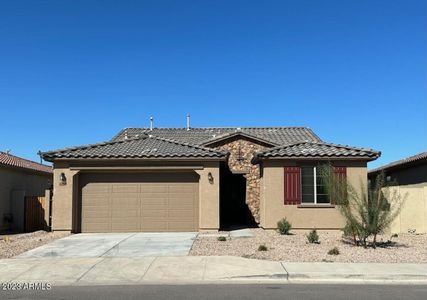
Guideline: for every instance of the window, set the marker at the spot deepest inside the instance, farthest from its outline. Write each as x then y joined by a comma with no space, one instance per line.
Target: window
312,189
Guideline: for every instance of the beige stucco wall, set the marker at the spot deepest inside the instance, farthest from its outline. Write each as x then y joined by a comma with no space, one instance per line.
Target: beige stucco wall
272,198
65,197
413,214
15,184
209,197
62,200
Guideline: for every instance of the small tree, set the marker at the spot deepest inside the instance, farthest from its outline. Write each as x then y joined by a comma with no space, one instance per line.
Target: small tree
368,212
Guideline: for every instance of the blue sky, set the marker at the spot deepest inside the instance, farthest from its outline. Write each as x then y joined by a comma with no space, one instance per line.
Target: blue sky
76,72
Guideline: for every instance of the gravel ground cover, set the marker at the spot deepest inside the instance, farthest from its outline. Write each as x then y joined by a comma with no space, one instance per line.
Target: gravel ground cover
14,244
406,248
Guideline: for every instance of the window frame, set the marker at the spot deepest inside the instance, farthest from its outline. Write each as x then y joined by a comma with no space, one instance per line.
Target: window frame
314,169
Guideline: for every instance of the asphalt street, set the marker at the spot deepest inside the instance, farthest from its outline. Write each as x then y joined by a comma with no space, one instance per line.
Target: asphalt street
247,292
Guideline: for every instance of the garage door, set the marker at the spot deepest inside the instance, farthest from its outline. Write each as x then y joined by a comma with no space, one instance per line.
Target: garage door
133,202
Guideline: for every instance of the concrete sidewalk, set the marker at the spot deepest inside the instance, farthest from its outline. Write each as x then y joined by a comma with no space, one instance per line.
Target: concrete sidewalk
199,269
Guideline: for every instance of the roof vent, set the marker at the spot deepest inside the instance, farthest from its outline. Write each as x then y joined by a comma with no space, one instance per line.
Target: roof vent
151,123
188,121
126,135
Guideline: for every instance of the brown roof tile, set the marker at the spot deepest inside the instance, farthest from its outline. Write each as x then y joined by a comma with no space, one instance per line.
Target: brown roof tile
318,150
8,159
137,147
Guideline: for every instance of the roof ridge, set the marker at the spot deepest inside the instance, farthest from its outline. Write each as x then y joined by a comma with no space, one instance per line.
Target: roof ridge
187,144
224,127
325,144
235,133
133,139
28,160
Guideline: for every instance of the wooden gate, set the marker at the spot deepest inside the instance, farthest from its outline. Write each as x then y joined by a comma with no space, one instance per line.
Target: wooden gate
35,213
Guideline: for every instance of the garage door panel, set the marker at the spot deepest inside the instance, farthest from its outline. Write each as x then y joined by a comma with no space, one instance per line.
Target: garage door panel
95,188
154,225
154,188
185,188
181,226
158,213
173,202
125,188
141,204
147,202
125,213
97,214
125,227
149,195
178,214
119,202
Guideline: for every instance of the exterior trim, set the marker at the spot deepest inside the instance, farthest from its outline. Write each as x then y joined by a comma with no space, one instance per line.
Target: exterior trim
158,168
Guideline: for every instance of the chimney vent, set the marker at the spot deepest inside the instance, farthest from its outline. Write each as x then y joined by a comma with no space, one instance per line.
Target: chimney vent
151,123
188,121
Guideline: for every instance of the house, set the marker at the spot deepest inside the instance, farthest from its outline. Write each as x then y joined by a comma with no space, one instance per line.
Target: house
409,177
190,179
19,178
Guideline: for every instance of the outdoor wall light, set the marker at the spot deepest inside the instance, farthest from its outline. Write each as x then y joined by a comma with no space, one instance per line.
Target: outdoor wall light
62,179
210,177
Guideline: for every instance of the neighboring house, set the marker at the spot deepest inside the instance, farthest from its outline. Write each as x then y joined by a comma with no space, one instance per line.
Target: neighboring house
19,178
409,176
189,179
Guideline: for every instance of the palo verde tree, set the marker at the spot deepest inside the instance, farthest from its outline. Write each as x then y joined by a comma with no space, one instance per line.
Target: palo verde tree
369,211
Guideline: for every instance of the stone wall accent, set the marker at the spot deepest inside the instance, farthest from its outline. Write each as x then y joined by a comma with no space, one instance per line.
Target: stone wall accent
241,152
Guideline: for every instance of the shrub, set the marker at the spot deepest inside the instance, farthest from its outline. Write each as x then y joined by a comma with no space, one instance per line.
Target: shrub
222,238
262,248
284,226
367,213
334,251
313,237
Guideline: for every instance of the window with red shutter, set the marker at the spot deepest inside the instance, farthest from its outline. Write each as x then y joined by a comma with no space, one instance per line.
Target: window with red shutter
292,185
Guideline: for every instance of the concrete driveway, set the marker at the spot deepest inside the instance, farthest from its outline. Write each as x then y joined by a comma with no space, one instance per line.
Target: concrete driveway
116,245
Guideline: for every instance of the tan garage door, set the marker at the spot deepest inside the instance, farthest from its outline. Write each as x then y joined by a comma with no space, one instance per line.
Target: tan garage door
132,202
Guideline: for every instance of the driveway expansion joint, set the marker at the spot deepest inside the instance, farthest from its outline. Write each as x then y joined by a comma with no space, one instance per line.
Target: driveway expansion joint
118,243
90,269
148,268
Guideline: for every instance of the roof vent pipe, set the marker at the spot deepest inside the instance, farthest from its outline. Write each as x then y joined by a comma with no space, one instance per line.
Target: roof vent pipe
151,123
188,121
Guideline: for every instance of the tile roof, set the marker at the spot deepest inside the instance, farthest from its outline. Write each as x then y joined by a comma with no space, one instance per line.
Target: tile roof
7,159
318,150
137,147
409,161
200,136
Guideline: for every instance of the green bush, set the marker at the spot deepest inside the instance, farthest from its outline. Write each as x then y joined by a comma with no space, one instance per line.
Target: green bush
369,212
284,226
313,237
334,251
262,248
222,238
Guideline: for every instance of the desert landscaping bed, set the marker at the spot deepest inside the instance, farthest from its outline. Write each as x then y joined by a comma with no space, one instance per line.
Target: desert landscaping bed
405,248
15,244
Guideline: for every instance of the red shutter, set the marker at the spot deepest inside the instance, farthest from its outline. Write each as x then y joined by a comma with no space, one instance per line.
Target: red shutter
292,185
341,173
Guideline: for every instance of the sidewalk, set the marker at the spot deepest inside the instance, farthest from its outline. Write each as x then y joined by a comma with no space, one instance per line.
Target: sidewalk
200,269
